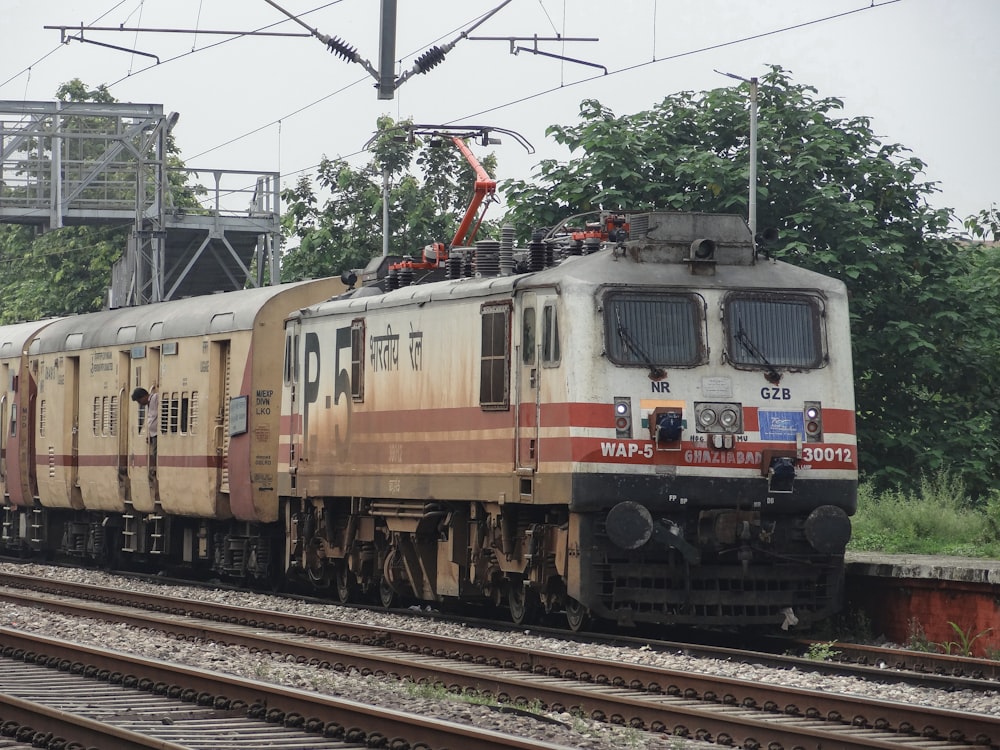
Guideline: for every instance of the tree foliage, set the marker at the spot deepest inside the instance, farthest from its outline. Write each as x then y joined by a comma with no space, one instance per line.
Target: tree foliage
344,230
61,272
845,204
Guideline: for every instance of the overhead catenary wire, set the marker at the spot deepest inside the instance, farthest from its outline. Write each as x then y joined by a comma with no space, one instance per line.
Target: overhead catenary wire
552,89
563,86
56,49
510,103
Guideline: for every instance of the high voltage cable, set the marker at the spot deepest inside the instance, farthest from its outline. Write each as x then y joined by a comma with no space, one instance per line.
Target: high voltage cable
627,69
561,86
56,49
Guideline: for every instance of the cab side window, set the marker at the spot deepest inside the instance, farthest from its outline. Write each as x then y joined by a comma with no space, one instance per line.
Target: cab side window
550,336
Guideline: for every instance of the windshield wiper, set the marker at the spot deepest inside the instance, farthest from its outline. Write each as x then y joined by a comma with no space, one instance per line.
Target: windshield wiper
772,375
655,373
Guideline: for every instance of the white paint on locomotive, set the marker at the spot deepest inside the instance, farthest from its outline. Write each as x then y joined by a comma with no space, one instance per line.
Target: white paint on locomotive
463,434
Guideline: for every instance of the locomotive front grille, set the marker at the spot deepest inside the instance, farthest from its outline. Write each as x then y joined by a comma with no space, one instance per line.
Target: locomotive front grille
718,594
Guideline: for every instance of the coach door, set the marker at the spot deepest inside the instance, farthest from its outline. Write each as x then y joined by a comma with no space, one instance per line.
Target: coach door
526,388
72,392
122,422
222,367
5,385
144,372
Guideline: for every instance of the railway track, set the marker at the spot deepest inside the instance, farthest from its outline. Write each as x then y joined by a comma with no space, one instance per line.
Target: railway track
724,710
103,699
886,665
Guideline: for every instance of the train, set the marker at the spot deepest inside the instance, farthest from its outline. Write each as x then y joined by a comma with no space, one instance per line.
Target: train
639,418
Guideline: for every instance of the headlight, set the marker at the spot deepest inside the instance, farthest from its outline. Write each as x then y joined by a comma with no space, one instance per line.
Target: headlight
718,417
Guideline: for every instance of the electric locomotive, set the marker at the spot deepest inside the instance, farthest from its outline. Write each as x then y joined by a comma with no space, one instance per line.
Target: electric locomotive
650,424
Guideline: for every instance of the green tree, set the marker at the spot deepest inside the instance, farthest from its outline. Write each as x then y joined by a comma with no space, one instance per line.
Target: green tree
61,272
845,204
985,225
345,232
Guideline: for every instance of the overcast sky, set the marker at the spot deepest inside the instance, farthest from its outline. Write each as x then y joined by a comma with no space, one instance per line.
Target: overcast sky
926,72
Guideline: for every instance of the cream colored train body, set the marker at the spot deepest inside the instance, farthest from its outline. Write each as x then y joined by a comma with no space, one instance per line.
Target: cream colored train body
647,423
79,475
659,429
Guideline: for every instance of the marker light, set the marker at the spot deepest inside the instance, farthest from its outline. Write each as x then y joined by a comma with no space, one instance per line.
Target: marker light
812,413
623,417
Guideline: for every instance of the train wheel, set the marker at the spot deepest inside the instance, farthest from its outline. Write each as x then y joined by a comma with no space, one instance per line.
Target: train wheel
523,603
577,615
386,595
347,584
319,577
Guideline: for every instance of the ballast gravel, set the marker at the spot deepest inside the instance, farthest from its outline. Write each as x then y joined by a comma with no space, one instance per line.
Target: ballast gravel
560,729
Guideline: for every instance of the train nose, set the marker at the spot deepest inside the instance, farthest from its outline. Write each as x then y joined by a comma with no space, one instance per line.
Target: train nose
828,529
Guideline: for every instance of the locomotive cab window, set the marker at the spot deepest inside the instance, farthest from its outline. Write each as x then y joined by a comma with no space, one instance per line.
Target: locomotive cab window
289,358
528,336
358,360
654,329
550,336
767,330
494,374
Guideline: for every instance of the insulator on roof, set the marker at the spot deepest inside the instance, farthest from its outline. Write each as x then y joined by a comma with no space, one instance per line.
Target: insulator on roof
507,250
488,258
536,253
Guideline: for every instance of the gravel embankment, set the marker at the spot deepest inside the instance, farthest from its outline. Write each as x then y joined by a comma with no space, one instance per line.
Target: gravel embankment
571,731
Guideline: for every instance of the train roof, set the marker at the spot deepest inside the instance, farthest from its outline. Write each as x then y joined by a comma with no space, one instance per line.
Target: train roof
14,337
195,316
663,257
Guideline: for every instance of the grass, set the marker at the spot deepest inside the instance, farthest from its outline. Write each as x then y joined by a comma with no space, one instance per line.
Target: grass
623,737
937,519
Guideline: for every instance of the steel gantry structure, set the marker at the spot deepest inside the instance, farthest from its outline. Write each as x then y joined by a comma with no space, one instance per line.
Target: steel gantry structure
192,232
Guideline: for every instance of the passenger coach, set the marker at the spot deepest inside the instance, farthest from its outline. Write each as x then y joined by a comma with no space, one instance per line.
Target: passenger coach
215,362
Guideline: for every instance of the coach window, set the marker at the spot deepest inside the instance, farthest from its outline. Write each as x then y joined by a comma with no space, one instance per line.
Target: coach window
193,414
105,417
494,378
550,336
528,336
767,330
358,360
173,413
